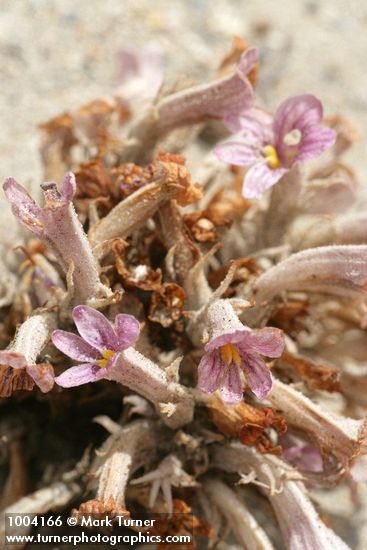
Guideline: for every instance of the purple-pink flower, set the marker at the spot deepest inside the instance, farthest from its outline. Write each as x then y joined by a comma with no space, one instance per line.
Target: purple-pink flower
271,146
234,349
27,211
57,224
302,456
98,345
140,74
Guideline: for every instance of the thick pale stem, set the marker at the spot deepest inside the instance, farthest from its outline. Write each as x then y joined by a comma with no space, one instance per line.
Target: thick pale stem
173,401
32,336
245,527
335,435
172,182
175,239
298,520
65,235
329,230
54,497
339,270
282,207
125,451
230,94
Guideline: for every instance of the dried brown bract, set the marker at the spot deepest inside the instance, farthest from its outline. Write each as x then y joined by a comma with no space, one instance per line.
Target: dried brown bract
248,424
167,304
317,376
96,509
183,522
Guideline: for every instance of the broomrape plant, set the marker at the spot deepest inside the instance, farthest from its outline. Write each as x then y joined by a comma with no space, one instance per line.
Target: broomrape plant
199,315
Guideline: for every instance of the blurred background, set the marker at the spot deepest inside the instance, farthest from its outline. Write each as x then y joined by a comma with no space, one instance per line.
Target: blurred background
56,55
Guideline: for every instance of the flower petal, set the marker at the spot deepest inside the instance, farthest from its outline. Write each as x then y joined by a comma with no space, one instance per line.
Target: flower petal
239,152
267,341
259,178
128,330
24,208
235,337
248,60
14,359
43,375
94,328
210,372
301,112
254,122
81,374
232,389
69,186
257,373
73,346
314,142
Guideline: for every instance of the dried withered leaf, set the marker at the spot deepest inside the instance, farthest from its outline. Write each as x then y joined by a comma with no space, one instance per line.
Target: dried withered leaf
59,130
94,117
129,177
140,276
169,181
16,379
97,509
173,168
346,133
247,423
246,268
167,304
182,522
176,174
165,156
12,380
239,46
203,225
93,180
288,316
315,375
98,123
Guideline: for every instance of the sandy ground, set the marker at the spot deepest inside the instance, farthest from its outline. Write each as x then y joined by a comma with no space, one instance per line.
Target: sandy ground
56,54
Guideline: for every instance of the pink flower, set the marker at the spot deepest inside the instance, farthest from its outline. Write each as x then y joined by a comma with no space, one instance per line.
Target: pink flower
57,224
27,211
233,348
98,345
140,74
273,145
303,456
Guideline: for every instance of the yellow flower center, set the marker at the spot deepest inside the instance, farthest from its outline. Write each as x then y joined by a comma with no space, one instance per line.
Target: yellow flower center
106,354
230,354
271,157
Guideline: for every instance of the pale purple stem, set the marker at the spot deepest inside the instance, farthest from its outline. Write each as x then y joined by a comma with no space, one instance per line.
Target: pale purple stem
339,270
65,236
32,336
330,230
134,211
334,435
126,450
173,401
244,525
231,94
299,522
